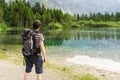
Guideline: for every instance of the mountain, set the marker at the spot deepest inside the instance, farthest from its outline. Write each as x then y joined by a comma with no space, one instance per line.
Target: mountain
81,6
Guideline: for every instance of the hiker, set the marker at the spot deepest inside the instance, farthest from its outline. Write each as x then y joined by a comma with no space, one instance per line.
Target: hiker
38,57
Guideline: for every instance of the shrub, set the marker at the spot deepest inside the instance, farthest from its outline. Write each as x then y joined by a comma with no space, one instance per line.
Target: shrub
88,77
85,77
3,28
53,25
75,25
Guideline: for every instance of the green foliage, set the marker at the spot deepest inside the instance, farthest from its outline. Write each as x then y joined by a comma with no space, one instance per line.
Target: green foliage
100,24
68,71
22,14
85,77
99,17
76,77
1,15
11,53
3,56
3,28
88,77
53,25
61,68
2,3
74,25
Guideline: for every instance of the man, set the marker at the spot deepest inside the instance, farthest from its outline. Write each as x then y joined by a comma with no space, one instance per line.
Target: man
36,59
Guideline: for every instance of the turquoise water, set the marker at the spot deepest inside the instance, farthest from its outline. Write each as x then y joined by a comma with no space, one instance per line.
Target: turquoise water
100,43
99,48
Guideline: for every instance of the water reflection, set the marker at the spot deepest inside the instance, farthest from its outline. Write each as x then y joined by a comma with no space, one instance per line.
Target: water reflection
98,34
57,37
10,39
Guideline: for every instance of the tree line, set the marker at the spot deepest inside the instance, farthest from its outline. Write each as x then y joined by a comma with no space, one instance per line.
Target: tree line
99,16
20,13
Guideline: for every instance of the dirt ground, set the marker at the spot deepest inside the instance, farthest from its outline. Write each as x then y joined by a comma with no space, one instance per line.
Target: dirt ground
11,71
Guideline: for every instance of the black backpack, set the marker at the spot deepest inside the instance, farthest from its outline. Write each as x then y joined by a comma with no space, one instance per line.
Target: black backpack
29,42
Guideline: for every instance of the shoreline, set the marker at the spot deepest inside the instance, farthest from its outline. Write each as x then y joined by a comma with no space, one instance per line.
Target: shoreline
62,69
105,64
86,69
99,63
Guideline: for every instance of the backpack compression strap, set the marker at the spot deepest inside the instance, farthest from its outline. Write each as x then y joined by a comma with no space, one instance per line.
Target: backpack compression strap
33,39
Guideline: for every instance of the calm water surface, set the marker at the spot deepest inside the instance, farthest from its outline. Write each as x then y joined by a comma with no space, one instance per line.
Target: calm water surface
102,43
98,48
97,43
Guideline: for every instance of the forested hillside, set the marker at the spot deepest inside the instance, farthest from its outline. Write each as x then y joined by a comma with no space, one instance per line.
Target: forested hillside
22,14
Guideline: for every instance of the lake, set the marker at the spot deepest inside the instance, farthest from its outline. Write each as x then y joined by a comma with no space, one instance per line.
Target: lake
101,43
99,48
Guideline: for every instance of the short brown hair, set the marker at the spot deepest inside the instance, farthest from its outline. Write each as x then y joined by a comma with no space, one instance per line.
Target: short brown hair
36,24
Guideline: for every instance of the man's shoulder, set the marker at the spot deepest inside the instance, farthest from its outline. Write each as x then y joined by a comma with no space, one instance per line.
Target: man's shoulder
39,35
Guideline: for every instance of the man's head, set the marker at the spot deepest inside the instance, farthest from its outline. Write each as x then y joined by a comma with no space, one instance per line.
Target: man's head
36,24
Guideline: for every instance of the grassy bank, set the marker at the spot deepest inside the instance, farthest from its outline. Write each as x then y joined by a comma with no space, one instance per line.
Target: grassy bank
85,24
69,72
93,24
11,53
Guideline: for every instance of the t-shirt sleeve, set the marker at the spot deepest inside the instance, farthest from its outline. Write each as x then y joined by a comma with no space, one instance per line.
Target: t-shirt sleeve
39,37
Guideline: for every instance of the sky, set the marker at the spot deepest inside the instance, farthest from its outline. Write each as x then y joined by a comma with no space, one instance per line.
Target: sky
83,6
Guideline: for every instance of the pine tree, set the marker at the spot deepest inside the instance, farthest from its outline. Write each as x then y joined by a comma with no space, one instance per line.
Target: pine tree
1,15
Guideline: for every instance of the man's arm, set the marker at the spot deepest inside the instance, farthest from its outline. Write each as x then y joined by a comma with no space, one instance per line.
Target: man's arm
43,51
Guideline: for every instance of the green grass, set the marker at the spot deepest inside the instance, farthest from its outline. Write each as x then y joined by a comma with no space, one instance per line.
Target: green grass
63,69
11,53
88,77
69,71
93,24
3,57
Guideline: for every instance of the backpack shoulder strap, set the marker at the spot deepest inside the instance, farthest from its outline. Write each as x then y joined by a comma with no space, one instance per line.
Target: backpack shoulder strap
34,39
35,48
